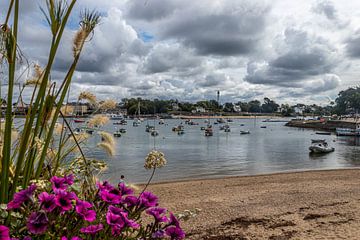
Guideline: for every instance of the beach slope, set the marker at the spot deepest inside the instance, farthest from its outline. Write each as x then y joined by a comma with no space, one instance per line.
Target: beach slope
305,205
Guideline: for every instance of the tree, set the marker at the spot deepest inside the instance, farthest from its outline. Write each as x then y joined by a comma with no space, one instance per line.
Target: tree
348,100
254,106
228,107
269,106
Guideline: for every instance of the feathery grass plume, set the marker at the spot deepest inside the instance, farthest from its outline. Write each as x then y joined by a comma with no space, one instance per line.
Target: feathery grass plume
108,105
79,40
107,137
98,120
37,76
88,96
87,25
67,110
155,159
109,148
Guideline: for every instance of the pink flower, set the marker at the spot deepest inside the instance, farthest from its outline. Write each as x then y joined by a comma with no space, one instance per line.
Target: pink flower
59,183
64,199
37,222
148,199
130,201
82,209
175,233
113,196
73,238
4,233
125,190
173,220
47,201
158,214
21,197
92,229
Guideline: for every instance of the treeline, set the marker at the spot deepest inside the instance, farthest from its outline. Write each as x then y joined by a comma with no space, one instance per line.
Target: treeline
347,102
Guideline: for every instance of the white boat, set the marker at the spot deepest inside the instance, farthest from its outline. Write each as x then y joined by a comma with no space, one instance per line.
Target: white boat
115,116
320,146
244,132
349,131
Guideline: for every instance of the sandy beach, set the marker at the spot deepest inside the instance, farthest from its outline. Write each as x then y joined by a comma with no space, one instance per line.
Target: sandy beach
304,205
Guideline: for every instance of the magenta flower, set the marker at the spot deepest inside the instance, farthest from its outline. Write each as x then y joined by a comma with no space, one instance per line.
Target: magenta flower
130,201
119,221
158,234
82,209
58,183
158,214
175,233
64,199
113,196
21,197
69,179
173,220
104,186
116,210
37,222
4,233
92,229
148,199
73,238
47,201
125,190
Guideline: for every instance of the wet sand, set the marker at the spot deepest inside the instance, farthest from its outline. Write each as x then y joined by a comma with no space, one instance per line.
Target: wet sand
305,205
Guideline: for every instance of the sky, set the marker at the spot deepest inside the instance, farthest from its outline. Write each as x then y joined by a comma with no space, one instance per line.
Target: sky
290,51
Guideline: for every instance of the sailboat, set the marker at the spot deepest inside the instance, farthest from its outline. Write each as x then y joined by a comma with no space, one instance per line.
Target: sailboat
137,121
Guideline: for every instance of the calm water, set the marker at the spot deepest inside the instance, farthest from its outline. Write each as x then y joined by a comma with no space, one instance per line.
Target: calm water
274,149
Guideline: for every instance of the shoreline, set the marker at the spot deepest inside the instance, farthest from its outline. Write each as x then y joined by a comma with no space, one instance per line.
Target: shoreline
244,176
314,204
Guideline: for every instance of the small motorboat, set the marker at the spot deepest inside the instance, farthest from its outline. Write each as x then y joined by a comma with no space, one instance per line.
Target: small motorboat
77,120
229,120
262,126
136,124
320,146
226,128
202,128
122,130
117,133
149,128
181,132
208,132
154,133
244,132
323,133
161,121
242,125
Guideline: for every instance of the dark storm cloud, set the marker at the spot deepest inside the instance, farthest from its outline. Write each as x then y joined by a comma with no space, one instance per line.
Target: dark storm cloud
353,45
164,58
212,80
227,32
149,10
305,57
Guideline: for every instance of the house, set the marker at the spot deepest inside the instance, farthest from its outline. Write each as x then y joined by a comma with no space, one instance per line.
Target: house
237,108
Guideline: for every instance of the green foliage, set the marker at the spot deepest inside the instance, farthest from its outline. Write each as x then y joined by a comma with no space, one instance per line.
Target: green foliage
348,101
29,157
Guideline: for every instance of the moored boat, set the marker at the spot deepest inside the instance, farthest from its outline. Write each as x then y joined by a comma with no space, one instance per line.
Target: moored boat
320,146
117,133
245,132
348,131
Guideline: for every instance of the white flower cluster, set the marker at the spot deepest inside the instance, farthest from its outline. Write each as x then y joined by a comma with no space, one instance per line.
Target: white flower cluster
155,159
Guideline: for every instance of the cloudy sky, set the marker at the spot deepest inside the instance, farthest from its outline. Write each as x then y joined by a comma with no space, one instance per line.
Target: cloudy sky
290,51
